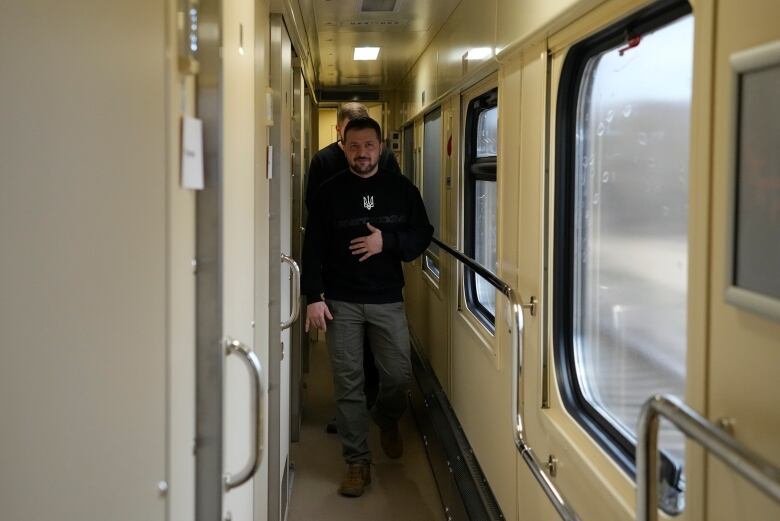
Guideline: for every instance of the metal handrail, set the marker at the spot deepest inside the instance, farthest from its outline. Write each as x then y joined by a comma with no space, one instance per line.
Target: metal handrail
232,481
559,502
761,473
295,294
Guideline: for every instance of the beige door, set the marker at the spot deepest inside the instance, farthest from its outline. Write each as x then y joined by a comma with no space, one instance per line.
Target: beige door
83,271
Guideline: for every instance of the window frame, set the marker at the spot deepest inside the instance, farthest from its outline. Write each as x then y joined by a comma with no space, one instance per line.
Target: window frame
408,131
431,264
476,169
618,444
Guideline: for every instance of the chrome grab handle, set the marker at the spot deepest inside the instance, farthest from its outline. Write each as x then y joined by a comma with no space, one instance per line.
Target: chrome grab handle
232,481
294,296
760,472
563,507
560,504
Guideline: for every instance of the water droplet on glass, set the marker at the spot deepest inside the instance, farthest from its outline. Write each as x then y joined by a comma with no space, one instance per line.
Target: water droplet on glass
584,161
596,198
610,116
605,177
642,138
600,129
587,215
627,110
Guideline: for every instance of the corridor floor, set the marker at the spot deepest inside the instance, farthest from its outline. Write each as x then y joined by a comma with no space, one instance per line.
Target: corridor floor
400,489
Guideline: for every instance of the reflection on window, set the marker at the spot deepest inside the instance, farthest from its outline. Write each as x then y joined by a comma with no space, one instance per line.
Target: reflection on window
485,244
629,254
431,182
481,155
487,133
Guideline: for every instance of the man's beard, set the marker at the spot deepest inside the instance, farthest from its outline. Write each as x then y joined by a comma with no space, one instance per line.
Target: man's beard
362,168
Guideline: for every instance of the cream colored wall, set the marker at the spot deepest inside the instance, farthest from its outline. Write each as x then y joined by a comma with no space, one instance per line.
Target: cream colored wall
744,352
501,25
238,236
327,126
85,218
181,291
262,225
731,352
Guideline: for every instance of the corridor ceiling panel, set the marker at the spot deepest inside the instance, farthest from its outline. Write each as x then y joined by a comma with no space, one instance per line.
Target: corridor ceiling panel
402,29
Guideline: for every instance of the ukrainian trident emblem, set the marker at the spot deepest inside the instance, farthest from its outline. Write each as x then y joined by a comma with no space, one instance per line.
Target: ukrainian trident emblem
368,201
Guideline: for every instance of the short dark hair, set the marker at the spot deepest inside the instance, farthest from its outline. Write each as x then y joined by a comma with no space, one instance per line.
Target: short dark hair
351,110
361,124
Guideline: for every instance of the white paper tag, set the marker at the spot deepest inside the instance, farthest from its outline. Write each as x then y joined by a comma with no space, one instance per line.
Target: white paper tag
192,153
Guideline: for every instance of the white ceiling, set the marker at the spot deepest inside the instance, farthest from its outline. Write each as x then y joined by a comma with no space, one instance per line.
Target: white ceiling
402,34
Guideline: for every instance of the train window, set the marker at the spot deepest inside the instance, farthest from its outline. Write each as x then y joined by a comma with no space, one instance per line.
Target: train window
431,184
481,156
408,151
621,230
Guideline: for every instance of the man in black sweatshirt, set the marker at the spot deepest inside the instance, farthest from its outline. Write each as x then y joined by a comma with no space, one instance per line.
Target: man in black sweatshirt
326,163
331,160
362,223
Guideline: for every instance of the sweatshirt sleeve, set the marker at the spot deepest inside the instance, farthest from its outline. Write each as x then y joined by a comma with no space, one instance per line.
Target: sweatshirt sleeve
412,240
312,285
389,162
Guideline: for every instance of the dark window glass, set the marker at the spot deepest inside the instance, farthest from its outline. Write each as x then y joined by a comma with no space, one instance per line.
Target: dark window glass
481,157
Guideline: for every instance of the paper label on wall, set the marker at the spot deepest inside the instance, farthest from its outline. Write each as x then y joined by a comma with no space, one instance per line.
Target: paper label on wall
192,153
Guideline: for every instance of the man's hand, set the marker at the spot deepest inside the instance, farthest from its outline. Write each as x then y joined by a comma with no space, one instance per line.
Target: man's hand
316,313
368,245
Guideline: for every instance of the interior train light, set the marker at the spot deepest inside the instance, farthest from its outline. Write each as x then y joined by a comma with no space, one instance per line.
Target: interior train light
365,53
479,53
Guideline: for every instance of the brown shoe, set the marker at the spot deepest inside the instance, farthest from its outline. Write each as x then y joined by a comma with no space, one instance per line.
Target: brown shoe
392,443
357,479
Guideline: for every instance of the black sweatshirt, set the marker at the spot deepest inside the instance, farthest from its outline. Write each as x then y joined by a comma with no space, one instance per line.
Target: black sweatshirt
340,210
331,160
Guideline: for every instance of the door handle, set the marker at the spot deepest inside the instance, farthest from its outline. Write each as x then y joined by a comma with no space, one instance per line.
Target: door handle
234,347
294,297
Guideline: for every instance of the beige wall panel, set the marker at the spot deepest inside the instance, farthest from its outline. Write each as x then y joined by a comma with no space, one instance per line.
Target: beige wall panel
424,85
377,114
744,346
480,397
441,65
519,19
327,126
238,237
181,291
83,362
262,225
699,190
416,295
480,377
586,476
471,25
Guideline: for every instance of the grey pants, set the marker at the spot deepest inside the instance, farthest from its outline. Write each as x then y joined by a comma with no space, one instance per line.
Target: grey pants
388,336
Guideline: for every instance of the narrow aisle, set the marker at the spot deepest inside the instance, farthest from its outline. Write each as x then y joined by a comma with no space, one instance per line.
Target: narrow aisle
400,489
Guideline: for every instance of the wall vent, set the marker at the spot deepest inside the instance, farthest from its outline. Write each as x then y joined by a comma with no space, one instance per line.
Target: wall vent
373,23
378,6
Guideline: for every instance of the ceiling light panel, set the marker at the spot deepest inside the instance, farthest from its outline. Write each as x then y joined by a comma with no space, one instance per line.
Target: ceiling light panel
365,53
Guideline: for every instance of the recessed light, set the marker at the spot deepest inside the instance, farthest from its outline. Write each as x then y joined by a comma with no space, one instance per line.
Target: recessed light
479,53
365,53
